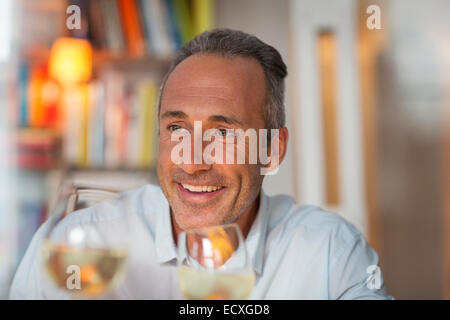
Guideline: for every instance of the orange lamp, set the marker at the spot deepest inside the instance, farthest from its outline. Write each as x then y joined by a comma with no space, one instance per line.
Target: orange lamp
71,60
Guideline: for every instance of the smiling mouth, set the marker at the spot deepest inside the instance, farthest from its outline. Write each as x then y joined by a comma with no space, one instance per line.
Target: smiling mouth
201,189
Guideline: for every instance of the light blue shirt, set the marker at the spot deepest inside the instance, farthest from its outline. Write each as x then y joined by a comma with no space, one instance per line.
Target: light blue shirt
297,252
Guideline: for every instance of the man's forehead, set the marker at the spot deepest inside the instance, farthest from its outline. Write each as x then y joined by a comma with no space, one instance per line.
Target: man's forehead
214,73
195,98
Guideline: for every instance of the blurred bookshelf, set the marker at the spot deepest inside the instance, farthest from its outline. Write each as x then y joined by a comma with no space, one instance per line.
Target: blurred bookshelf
102,129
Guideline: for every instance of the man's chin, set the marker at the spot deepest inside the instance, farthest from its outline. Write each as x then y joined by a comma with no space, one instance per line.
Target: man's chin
190,220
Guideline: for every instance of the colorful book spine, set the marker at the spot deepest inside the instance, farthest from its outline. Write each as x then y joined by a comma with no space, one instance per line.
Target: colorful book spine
23,91
133,130
183,20
123,133
146,31
96,24
202,15
114,92
95,123
148,92
173,24
74,126
113,27
84,135
132,28
36,149
39,98
156,20
36,105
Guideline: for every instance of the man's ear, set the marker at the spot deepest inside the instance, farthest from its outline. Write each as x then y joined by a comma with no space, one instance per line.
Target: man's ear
277,149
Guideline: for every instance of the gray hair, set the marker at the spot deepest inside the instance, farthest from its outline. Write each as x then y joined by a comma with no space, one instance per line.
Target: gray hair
229,43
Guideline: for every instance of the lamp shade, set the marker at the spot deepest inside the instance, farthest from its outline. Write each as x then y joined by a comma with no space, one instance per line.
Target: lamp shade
71,60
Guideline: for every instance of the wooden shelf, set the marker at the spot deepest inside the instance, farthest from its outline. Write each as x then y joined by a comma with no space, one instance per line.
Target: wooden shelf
103,57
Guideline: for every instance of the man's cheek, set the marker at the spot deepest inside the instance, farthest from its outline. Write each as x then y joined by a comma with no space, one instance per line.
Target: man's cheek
164,152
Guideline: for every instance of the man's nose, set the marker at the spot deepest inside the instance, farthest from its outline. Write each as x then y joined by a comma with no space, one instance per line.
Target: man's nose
196,162
194,168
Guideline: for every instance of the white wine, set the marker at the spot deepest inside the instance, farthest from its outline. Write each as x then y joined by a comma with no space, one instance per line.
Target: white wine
99,268
204,285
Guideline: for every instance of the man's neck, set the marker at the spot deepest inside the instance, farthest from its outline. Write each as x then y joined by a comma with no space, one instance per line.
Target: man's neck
244,221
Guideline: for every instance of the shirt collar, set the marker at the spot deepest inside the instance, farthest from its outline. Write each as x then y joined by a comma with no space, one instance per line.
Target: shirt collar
255,240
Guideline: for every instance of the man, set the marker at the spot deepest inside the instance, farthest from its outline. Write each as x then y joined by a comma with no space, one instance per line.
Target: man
228,82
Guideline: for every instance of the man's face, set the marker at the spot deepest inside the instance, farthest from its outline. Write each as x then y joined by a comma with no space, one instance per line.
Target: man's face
222,93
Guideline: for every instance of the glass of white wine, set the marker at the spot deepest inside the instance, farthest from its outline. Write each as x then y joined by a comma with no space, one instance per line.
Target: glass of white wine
213,264
85,249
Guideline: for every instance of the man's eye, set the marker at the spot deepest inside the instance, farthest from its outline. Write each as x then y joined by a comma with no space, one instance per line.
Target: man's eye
226,132
225,135
174,128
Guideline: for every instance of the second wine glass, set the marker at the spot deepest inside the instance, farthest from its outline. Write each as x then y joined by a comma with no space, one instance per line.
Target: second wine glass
213,264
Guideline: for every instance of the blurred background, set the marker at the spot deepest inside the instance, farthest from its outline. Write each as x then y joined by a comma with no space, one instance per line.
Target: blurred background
368,104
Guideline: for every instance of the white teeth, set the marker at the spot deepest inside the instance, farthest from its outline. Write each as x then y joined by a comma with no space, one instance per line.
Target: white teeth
201,188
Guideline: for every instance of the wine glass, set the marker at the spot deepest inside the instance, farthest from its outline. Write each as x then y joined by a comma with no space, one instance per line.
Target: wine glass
85,249
213,264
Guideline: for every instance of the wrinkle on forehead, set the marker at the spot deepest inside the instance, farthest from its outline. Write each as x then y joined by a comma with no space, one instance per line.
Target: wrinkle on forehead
214,95
204,91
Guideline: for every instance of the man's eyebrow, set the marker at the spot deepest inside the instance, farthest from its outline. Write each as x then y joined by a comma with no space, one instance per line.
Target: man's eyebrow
225,119
174,114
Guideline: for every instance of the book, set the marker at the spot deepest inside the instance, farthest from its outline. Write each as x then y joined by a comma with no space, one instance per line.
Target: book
155,18
95,123
36,106
114,93
173,25
202,15
146,32
139,27
133,128
36,149
23,94
39,98
113,28
148,124
96,25
74,140
51,99
183,20
132,27
130,121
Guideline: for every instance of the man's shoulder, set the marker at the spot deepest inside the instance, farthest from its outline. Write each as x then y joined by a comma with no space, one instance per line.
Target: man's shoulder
310,221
